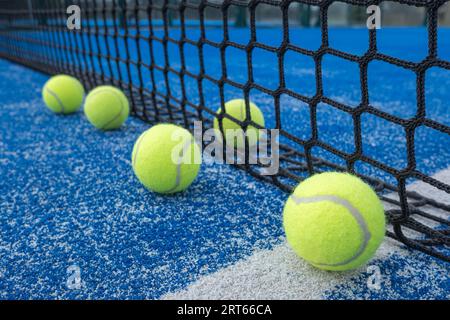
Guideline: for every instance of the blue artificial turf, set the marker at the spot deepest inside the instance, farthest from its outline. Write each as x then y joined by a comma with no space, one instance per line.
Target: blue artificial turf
68,196
391,89
404,278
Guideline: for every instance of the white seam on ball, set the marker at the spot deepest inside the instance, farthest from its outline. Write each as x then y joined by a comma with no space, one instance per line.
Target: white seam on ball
121,105
353,211
54,95
178,176
138,146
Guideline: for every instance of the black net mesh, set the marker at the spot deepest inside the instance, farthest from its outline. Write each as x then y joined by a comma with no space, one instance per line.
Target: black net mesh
147,48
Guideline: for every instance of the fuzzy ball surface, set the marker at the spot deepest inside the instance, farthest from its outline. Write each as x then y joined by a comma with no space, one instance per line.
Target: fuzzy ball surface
63,94
237,109
106,108
166,159
335,221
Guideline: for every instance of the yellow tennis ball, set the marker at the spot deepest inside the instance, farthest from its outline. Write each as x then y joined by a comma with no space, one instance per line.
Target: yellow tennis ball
335,221
166,159
63,94
237,109
106,108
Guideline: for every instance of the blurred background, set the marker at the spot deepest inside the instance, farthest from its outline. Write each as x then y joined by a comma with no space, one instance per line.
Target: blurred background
339,14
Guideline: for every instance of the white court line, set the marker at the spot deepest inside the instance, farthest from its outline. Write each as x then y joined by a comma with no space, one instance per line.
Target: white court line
280,274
